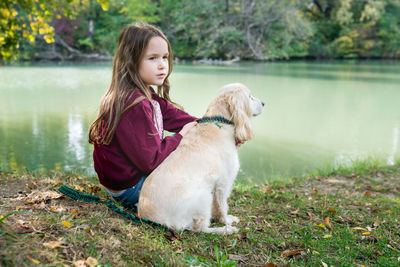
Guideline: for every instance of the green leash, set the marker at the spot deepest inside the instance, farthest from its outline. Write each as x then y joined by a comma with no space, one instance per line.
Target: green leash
76,195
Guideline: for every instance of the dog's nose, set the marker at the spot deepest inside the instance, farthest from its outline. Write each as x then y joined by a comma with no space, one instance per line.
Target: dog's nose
262,103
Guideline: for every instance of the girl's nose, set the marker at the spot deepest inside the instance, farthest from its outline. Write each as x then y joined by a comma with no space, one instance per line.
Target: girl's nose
163,64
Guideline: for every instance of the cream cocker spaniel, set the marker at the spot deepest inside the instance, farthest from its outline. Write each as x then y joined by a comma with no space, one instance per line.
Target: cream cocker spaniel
192,185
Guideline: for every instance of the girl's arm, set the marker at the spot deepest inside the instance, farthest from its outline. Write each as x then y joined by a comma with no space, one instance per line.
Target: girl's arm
139,140
174,119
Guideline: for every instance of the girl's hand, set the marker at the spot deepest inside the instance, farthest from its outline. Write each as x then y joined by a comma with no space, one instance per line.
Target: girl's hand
187,128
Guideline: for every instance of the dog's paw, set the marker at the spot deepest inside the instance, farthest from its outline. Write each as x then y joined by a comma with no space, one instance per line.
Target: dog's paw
230,230
231,220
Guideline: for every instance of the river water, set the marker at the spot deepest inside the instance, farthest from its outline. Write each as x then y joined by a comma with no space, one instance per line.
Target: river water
318,114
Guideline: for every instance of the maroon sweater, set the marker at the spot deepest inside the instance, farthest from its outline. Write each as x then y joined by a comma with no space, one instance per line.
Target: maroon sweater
136,148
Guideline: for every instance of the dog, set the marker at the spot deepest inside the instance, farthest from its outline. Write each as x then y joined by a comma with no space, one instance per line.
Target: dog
192,185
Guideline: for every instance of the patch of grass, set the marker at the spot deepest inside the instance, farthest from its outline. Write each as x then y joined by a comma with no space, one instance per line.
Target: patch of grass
344,217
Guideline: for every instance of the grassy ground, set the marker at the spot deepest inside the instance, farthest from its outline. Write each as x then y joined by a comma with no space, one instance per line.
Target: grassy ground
342,217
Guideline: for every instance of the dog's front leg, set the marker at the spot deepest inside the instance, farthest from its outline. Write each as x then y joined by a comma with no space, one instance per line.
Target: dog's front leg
220,205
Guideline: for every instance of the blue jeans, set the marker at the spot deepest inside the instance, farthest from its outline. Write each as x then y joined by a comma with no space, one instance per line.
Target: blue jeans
130,198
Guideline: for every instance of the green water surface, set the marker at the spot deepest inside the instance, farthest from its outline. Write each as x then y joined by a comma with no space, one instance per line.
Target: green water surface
318,114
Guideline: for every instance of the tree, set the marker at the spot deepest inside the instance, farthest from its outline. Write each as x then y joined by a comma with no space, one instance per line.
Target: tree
252,29
28,19
351,28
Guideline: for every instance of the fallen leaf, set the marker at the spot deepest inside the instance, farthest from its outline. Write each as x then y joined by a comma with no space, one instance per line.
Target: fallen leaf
295,212
359,229
91,261
94,189
366,233
33,260
327,236
66,224
368,194
327,223
38,196
259,220
32,186
310,214
80,263
23,227
270,264
242,236
239,258
320,225
52,244
376,223
171,236
324,264
291,253
74,212
333,211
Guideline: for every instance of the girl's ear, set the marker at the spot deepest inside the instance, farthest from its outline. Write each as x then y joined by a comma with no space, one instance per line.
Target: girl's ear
239,107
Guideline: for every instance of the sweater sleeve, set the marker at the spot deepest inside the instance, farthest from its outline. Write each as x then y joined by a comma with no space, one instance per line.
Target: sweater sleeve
173,118
139,140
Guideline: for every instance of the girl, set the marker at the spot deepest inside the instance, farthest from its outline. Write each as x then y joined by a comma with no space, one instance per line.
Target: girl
128,131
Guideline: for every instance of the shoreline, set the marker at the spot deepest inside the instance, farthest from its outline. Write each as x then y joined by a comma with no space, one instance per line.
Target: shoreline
201,61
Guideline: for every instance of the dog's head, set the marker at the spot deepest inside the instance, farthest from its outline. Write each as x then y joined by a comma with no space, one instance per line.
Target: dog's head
236,103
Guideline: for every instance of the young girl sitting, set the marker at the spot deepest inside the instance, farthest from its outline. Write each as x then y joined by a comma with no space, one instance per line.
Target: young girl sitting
128,131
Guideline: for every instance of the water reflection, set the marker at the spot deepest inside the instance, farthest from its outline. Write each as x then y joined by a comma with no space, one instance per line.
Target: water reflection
75,134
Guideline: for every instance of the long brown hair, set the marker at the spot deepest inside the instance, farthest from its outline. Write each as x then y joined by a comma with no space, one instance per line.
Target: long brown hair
125,80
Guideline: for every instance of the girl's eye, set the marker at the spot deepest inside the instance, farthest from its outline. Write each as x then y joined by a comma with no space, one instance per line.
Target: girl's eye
152,58
165,57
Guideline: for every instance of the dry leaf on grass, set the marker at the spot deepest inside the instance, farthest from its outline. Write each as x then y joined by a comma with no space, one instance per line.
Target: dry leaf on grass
310,214
23,227
368,194
333,211
239,258
91,261
291,253
33,260
52,244
66,224
171,236
321,225
295,212
80,263
359,229
270,264
242,236
38,196
327,223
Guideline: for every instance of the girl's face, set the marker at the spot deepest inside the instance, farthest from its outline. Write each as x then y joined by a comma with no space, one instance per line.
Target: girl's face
153,67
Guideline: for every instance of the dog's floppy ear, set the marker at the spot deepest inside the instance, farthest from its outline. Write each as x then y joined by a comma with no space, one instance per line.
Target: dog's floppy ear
239,107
